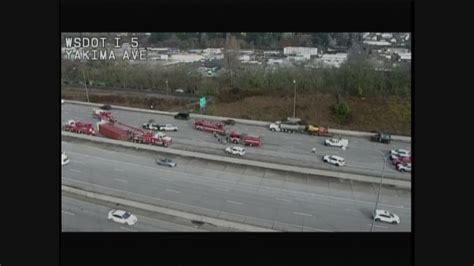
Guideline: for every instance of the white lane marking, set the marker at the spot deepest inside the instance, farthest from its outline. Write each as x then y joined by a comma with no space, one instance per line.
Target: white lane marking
66,212
234,202
283,199
350,210
121,180
303,214
182,204
86,203
172,190
166,179
381,226
127,229
75,170
248,185
118,170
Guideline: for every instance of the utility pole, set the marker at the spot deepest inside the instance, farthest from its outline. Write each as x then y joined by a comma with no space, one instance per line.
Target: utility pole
85,83
294,101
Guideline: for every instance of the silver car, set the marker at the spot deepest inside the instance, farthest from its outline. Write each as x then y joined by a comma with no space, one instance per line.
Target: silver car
166,162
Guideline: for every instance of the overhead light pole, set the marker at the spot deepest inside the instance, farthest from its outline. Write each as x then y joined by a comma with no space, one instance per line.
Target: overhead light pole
85,83
294,101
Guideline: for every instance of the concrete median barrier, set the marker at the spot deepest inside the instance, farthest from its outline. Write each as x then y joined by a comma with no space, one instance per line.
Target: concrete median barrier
238,161
167,211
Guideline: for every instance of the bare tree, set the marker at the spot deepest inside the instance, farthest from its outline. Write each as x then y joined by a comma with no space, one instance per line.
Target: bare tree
231,55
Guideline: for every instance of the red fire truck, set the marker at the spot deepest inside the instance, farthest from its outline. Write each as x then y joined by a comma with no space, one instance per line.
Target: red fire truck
209,126
245,139
103,115
79,127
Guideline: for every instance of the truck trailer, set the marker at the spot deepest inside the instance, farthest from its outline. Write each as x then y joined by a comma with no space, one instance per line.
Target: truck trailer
121,131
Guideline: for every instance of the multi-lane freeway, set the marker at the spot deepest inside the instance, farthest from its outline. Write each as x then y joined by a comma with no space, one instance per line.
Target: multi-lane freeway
362,156
246,195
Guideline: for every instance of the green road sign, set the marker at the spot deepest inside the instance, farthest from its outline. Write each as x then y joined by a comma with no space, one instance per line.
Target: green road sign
202,102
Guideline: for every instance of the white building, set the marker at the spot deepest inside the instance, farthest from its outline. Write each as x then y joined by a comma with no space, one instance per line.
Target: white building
247,52
378,43
306,52
158,50
212,51
334,60
275,61
398,50
267,53
405,56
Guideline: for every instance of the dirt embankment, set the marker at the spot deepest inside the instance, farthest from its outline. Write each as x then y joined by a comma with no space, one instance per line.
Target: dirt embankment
389,114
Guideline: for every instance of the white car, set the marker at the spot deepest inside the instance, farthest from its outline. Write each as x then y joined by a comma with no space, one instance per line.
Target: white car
168,127
334,159
163,136
64,159
399,153
150,126
179,91
341,143
404,167
386,217
235,150
122,217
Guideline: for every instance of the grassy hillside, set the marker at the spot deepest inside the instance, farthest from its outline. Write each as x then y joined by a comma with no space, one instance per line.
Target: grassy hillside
389,114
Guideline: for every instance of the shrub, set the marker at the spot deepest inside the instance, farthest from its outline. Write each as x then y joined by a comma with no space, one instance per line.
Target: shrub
342,112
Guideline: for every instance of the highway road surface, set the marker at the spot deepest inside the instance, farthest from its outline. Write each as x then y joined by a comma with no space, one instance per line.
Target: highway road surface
362,156
247,195
79,214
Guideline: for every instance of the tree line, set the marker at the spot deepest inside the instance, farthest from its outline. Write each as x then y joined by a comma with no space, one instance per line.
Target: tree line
354,78
253,40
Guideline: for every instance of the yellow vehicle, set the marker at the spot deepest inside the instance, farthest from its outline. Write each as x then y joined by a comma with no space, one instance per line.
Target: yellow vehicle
316,130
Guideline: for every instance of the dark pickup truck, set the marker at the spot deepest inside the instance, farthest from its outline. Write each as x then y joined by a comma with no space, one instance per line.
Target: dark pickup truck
182,116
382,138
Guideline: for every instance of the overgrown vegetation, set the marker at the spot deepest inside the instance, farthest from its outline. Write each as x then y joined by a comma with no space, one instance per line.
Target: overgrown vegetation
342,112
353,79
